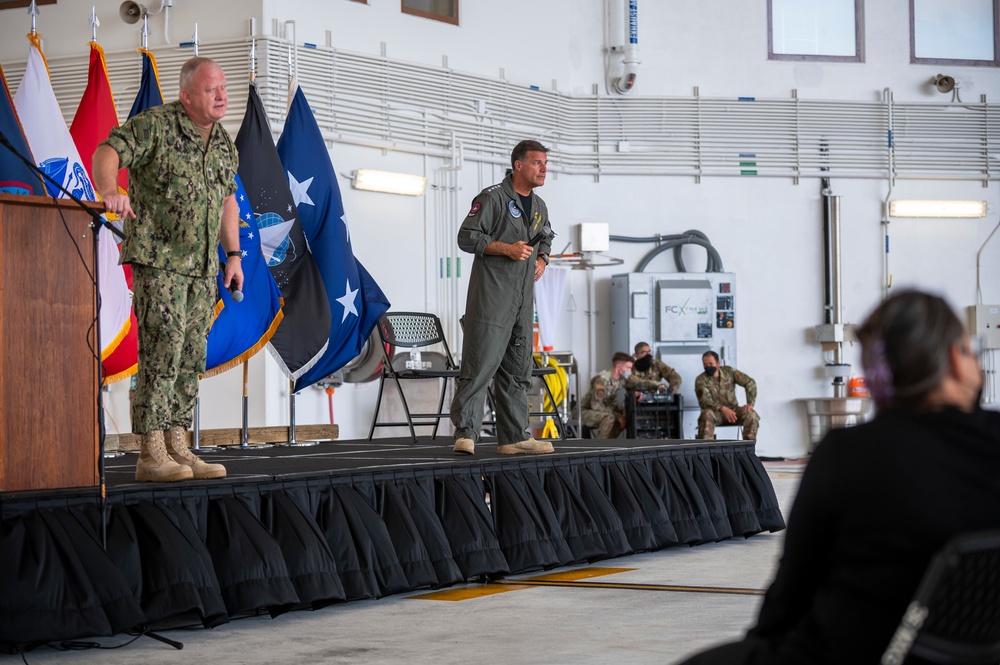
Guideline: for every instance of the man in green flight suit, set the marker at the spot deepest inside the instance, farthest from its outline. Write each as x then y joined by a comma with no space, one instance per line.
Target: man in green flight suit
716,392
508,230
182,167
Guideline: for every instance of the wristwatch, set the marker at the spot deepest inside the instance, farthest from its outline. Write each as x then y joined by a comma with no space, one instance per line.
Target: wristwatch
544,257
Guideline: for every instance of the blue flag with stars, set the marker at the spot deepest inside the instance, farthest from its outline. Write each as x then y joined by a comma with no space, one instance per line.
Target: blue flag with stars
355,300
301,338
241,329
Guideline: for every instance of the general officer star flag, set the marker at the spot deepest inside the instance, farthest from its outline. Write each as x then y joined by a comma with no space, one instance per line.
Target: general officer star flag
301,338
355,300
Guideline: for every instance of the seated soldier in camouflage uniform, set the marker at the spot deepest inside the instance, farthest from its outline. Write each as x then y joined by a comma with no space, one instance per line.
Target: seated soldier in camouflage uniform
648,373
603,407
716,392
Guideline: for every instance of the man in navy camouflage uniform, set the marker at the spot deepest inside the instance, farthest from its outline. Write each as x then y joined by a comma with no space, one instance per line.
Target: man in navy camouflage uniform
499,311
716,392
182,165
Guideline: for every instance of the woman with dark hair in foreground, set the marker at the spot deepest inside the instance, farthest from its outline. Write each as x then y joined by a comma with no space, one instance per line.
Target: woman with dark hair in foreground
877,500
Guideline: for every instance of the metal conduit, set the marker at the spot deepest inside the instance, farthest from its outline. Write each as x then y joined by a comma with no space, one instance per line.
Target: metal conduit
393,105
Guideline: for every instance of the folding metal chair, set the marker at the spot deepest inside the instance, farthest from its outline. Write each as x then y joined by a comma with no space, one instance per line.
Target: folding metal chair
954,616
413,330
540,369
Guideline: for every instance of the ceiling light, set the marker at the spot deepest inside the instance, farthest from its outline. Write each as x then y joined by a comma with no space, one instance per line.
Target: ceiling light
389,182
967,209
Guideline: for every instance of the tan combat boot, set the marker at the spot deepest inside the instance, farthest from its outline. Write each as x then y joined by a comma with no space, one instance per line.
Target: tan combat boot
182,455
155,464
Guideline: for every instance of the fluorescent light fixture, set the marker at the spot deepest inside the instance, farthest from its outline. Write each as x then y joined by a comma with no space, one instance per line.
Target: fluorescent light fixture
389,182
904,208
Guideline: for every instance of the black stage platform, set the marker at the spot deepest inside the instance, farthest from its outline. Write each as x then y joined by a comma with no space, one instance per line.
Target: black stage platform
302,527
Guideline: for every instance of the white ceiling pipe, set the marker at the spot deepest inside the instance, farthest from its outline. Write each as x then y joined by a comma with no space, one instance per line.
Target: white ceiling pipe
665,135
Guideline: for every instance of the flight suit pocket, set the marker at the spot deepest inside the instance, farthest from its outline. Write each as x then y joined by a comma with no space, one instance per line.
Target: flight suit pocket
516,360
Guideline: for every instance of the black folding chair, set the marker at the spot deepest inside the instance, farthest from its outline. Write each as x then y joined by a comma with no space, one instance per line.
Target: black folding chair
954,616
413,330
540,370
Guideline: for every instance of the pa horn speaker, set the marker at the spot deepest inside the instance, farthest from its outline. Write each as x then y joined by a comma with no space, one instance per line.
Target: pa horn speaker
944,83
131,12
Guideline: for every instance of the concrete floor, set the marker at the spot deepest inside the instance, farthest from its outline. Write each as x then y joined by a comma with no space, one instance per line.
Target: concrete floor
506,623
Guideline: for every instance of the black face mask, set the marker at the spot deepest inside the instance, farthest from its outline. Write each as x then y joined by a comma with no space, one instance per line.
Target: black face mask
710,370
643,364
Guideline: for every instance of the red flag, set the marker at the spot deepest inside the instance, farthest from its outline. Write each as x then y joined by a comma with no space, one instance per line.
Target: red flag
95,118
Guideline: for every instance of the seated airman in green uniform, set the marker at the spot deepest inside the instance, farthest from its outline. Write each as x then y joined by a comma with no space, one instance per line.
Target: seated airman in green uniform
648,373
716,392
603,407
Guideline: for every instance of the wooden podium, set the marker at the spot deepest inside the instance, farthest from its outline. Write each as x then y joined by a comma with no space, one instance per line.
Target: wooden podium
48,366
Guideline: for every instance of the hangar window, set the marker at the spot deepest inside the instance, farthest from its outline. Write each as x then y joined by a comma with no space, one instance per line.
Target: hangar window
439,10
11,4
961,32
830,30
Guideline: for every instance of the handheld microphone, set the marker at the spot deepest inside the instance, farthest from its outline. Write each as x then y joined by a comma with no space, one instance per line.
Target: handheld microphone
235,292
543,233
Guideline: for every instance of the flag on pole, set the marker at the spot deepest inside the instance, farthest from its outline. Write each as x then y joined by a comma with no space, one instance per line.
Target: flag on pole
301,339
56,154
150,93
355,300
15,176
242,329
96,116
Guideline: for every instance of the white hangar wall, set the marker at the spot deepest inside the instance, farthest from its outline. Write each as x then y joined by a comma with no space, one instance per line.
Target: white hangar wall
768,230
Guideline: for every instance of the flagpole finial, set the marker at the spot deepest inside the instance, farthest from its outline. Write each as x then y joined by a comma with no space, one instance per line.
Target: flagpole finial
195,39
33,13
144,33
95,23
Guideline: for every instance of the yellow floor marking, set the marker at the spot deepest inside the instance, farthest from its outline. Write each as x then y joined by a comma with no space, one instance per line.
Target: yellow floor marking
574,579
575,575
638,587
467,593
470,592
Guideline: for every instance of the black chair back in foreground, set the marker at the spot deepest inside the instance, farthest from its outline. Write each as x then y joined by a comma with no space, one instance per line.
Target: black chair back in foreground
954,616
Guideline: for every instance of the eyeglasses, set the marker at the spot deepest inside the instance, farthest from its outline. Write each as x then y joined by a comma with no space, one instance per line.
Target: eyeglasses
640,354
